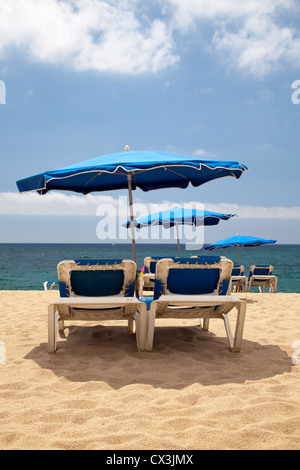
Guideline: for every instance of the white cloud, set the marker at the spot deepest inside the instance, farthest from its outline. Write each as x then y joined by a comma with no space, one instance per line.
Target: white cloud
204,91
125,37
61,204
249,35
53,203
256,212
200,152
203,153
29,93
261,46
86,34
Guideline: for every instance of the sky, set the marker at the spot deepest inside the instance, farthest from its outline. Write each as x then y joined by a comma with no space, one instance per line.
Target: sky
218,79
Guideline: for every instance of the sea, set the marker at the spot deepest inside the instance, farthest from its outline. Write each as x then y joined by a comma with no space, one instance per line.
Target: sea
28,266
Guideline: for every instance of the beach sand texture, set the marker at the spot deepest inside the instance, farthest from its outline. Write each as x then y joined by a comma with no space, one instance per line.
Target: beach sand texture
191,392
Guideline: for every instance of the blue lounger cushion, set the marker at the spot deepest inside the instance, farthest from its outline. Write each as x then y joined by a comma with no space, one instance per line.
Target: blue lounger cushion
97,283
236,270
193,281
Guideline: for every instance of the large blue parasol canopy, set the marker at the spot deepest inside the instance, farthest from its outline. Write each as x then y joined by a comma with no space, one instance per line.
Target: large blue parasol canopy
148,170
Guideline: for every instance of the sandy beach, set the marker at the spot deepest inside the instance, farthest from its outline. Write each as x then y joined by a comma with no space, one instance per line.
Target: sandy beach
191,392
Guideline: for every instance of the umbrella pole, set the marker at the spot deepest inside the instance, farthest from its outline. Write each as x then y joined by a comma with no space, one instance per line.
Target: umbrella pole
178,245
131,217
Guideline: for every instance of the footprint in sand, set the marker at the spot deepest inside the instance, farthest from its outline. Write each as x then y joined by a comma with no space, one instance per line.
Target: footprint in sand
185,335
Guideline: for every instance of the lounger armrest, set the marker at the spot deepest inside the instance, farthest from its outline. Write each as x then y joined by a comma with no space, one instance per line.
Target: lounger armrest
193,300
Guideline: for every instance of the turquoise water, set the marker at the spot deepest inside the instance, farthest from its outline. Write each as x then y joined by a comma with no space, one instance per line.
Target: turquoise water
27,266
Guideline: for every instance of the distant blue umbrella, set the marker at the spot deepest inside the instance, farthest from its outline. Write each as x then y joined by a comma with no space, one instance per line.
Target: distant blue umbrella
180,216
131,170
238,241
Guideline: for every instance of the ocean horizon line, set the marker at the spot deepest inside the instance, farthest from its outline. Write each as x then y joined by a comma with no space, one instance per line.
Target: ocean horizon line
123,244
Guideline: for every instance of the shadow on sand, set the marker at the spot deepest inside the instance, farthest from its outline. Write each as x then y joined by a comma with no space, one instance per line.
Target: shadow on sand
182,356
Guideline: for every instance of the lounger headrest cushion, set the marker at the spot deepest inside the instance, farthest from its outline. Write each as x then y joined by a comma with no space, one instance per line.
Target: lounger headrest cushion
152,267
97,283
193,281
261,270
153,263
236,271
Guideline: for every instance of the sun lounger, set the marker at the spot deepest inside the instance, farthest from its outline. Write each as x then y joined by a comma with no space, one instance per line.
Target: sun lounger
261,276
97,290
188,288
238,280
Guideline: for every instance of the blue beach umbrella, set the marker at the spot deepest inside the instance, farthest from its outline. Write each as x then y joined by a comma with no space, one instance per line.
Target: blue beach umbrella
131,170
238,241
180,216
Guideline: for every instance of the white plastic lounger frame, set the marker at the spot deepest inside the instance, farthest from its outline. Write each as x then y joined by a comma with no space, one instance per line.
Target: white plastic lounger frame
51,284
208,306
262,280
146,282
115,307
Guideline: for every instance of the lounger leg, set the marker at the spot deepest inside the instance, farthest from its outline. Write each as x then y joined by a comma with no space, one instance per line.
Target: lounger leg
131,325
151,325
141,327
228,332
205,324
239,327
52,328
273,285
61,325
137,329
236,342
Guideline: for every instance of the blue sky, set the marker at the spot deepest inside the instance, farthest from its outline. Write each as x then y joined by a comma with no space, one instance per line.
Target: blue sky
211,78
